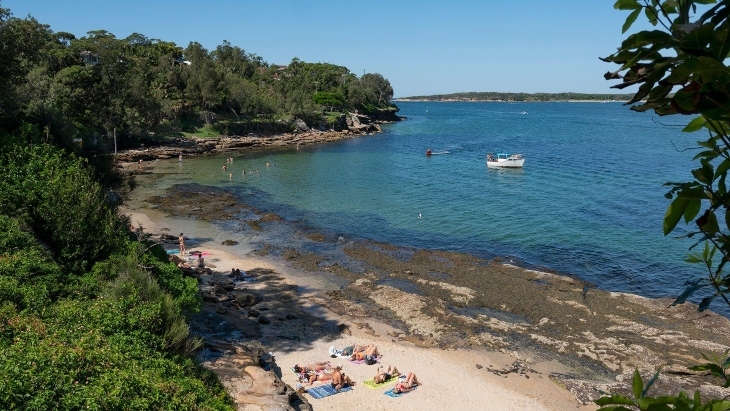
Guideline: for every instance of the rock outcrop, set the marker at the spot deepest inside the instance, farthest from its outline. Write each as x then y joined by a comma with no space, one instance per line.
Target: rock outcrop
349,125
231,330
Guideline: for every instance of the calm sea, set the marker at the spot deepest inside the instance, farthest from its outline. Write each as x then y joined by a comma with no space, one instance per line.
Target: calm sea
589,201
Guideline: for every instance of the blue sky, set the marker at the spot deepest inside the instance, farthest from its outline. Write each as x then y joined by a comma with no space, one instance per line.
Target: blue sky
421,47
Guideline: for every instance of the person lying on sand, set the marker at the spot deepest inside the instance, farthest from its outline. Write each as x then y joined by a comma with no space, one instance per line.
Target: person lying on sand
410,383
339,379
322,376
349,350
370,355
318,366
383,376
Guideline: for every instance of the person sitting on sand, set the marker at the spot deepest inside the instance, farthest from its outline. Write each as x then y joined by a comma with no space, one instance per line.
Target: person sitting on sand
410,383
381,377
339,379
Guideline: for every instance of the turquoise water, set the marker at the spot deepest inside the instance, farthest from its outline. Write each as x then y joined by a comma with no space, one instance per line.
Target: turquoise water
588,202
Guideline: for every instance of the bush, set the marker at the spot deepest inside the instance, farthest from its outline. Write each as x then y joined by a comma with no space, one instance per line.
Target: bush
58,198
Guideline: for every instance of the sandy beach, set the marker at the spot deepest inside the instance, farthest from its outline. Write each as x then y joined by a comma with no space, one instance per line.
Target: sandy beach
451,378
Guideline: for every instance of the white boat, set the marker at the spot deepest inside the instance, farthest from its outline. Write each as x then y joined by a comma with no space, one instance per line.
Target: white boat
504,160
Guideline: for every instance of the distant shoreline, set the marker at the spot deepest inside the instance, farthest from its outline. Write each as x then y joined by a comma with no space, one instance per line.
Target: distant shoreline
456,100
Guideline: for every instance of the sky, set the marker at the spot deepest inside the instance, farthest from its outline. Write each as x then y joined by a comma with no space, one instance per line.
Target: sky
422,47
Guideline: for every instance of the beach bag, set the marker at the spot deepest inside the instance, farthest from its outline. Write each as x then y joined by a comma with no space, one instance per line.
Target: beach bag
370,360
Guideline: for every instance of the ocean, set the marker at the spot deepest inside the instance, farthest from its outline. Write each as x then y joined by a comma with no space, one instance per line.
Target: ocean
589,201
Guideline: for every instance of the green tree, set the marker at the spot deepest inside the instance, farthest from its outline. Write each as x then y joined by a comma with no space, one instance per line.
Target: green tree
377,88
680,69
203,81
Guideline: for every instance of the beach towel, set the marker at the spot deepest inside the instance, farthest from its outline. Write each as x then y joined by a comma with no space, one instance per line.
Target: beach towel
325,391
391,393
372,384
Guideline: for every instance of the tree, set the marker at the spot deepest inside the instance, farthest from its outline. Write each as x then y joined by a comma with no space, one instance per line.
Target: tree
377,88
680,69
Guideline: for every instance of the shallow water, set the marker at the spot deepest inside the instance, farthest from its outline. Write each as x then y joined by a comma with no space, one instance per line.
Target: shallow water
588,202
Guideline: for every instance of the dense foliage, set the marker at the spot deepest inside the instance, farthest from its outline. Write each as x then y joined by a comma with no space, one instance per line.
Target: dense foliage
527,97
98,90
89,317
681,69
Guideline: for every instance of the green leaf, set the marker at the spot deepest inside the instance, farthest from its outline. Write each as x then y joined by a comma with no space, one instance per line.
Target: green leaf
614,399
705,303
722,168
708,222
709,154
688,292
650,404
720,405
695,124
637,384
651,15
699,38
674,213
630,20
704,174
626,5
646,38
693,259
685,101
714,369
651,382
693,208
665,399
720,43
670,6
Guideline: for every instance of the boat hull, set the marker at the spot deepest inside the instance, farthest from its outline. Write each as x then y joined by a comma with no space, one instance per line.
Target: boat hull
506,163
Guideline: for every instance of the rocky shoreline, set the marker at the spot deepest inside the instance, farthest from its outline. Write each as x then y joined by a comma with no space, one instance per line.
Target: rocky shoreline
355,125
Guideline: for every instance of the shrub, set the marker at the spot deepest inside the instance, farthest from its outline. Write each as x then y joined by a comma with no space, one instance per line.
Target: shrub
58,198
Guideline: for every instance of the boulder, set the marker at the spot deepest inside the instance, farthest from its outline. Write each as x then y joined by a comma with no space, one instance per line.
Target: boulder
246,298
300,126
222,281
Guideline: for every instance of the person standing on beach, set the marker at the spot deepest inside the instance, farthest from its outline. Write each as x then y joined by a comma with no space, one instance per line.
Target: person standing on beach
179,158
182,244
